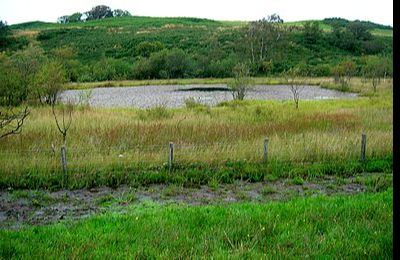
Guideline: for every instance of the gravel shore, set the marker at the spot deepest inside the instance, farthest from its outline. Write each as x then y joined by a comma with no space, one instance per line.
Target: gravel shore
175,95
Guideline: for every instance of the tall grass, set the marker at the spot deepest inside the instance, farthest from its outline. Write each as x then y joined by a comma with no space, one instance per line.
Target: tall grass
318,131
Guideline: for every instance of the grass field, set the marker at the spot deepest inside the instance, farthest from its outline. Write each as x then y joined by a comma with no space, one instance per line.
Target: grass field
115,143
358,226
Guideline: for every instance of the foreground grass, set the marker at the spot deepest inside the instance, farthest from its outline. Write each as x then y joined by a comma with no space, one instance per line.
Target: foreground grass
358,226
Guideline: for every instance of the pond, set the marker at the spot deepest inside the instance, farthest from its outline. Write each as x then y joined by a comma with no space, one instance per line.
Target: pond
175,95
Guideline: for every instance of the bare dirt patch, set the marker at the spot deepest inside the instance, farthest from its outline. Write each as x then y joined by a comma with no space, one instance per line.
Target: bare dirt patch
35,207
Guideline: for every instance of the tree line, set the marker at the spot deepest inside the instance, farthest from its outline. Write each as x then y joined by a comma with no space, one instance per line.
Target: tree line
96,13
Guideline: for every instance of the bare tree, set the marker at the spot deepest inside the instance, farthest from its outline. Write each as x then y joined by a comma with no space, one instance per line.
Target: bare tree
64,122
11,122
295,84
241,82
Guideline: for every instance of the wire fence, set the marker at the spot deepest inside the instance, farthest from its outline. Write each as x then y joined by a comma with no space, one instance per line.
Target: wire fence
297,149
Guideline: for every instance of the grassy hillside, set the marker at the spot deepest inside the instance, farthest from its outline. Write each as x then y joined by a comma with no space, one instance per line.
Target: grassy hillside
140,22
126,48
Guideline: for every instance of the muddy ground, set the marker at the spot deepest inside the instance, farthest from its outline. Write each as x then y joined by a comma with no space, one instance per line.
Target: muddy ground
19,208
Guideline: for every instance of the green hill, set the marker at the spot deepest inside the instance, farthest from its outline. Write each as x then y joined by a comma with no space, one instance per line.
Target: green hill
147,47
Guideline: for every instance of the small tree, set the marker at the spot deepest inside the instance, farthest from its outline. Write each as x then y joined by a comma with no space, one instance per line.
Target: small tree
63,19
121,13
241,82
65,114
66,56
375,69
75,17
349,68
12,91
359,31
11,122
27,63
292,78
343,72
312,32
49,82
99,12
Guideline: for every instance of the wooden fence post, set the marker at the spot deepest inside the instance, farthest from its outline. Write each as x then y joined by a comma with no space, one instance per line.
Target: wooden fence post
363,146
53,150
266,149
64,160
171,155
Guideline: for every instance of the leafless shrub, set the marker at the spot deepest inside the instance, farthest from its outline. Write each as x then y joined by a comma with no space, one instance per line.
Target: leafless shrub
11,122
295,83
63,117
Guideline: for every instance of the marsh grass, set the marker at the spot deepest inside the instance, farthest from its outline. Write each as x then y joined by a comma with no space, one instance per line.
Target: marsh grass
192,103
115,140
155,113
